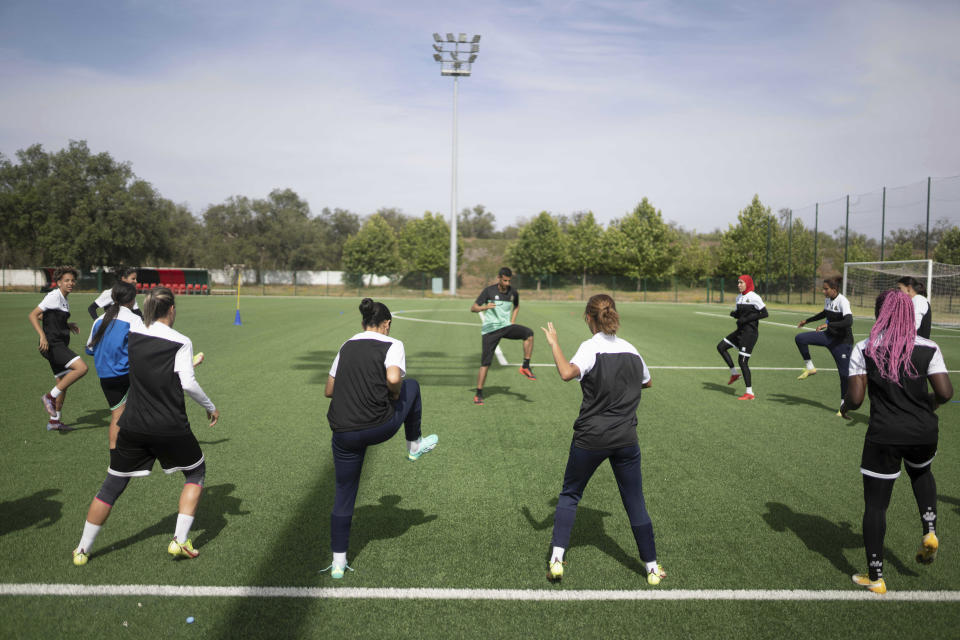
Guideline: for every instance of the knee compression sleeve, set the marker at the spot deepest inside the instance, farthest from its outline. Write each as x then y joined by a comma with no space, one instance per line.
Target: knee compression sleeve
196,475
111,488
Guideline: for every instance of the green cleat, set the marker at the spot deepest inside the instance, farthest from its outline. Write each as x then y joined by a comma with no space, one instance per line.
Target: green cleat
862,579
654,577
80,557
182,549
426,446
336,572
555,570
928,549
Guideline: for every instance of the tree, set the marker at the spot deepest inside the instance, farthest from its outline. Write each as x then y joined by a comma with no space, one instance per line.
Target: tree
539,249
754,245
395,217
900,251
948,249
373,250
230,229
476,223
584,239
646,247
333,228
285,238
186,238
425,245
695,260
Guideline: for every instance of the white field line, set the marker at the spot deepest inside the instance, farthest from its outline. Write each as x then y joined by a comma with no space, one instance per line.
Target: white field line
538,595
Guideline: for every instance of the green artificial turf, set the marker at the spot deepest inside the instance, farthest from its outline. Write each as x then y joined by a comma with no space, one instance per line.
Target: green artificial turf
743,495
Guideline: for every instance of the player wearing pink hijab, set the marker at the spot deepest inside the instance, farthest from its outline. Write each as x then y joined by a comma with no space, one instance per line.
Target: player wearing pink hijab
750,310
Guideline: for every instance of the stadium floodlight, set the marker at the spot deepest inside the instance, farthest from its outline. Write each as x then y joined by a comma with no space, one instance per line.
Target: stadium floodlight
448,55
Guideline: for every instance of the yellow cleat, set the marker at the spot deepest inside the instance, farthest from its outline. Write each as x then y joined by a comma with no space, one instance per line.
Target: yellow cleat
806,374
862,579
555,571
654,577
182,549
80,557
928,549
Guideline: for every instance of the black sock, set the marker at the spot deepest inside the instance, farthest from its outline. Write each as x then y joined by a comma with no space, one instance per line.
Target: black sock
526,363
479,392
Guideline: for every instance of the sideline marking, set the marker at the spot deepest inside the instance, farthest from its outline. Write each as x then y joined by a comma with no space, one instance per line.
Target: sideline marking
352,593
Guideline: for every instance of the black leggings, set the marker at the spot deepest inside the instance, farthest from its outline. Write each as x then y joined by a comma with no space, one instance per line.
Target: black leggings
744,361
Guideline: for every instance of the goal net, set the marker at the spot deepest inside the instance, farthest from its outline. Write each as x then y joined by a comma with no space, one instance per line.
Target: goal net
863,281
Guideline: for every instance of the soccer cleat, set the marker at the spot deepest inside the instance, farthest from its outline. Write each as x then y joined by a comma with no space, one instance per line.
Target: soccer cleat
426,446
477,399
55,425
862,579
80,557
747,396
182,549
928,549
555,570
806,374
654,577
50,404
733,378
336,572
527,373
198,359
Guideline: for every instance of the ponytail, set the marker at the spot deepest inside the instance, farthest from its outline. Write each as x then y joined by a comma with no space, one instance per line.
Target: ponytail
603,311
373,314
122,294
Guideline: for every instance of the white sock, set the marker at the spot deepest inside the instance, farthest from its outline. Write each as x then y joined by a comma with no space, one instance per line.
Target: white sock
55,392
557,554
652,567
750,390
733,371
809,364
90,532
339,559
412,447
57,417
184,522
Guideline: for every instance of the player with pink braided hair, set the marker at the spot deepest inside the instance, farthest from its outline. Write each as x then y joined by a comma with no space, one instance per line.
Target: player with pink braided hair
895,364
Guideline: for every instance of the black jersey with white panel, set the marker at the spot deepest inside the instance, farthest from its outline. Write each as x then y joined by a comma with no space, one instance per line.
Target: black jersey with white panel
750,310
56,313
839,317
361,398
161,370
612,375
904,414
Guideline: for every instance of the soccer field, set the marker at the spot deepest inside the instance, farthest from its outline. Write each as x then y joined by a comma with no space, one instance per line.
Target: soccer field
756,506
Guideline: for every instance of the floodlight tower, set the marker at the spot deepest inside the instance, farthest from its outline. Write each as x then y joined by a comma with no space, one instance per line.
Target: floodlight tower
456,55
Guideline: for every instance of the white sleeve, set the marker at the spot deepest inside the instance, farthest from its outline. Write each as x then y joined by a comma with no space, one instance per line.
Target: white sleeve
919,309
858,365
333,367
105,299
845,309
50,301
646,371
396,357
93,330
584,358
937,365
757,301
183,365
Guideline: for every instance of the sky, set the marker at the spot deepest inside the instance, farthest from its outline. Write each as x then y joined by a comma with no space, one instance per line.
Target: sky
572,105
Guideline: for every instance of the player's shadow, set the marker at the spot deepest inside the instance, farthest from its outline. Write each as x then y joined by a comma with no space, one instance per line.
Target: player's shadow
215,504
727,390
432,368
824,537
488,392
382,522
92,419
588,530
318,362
951,501
795,401
37,510
207,443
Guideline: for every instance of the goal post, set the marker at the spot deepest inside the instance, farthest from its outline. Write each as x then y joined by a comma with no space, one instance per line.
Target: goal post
863,281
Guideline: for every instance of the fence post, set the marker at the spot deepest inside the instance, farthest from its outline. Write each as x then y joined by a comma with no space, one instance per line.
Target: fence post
883,220
926,242
766,268
846,232
643,282
721,289
294,283
708,290
789,255
676,290
816,236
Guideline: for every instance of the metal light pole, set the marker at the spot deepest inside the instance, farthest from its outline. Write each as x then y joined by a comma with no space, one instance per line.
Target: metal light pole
448,53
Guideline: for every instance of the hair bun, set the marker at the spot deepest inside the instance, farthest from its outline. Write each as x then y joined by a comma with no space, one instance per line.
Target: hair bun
366,306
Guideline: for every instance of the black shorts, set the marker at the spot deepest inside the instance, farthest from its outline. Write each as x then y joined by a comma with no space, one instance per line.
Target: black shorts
136,453
743,341
115,390
60,358
883,460
491,340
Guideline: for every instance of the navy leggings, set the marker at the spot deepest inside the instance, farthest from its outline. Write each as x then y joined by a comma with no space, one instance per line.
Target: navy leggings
838,349
349,448
626,469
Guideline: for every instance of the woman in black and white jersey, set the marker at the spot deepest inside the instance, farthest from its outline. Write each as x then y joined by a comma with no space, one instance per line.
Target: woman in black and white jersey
611,375
370,400
894,365
921,306
154,423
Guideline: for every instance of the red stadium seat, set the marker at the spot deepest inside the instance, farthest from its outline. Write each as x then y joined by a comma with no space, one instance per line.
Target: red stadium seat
189,289
139,287
183,288
205,290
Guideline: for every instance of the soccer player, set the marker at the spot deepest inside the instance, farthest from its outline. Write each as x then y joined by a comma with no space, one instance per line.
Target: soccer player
108,346
748,313
370,400
894,365
154,424
836,334
50,321
921,306
499,303
611,375
105,299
